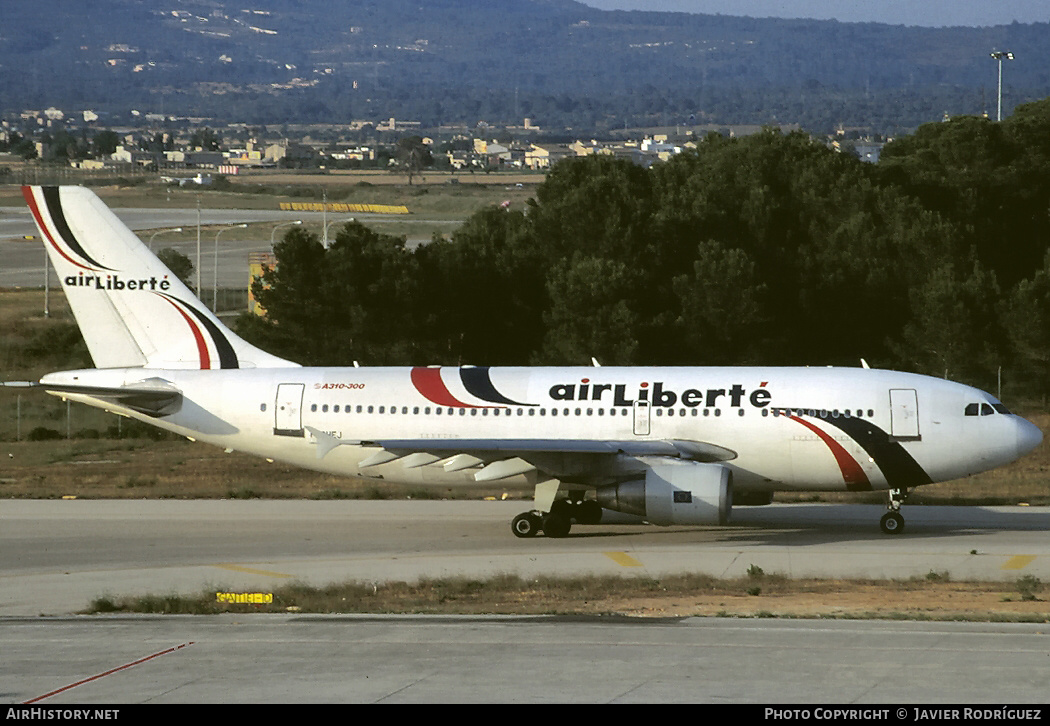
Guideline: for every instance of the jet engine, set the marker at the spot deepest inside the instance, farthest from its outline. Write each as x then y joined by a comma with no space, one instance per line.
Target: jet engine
675,492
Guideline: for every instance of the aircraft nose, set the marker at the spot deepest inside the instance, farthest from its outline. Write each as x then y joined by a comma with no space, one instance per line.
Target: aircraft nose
1029,436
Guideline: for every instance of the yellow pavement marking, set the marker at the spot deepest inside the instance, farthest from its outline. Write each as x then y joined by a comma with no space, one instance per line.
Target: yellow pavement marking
1018,562
253,571
623,559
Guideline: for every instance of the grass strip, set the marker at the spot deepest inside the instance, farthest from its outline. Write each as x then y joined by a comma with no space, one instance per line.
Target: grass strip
931,597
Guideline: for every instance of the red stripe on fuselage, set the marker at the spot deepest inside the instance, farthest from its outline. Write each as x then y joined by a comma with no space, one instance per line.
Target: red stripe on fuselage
852,474
428,382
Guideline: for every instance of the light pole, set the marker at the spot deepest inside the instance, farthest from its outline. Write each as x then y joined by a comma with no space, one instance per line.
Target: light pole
162,231
278,226
999,55
336,221
47,278
324,215
215,267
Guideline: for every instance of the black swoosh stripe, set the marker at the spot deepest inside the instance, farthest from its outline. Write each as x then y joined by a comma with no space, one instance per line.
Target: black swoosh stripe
227,356
899,467
58,218
478,383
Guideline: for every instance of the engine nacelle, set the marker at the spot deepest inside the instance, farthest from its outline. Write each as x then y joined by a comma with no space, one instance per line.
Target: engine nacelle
675,492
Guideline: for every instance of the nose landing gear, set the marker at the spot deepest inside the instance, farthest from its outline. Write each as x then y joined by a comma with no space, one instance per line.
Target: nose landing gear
892,522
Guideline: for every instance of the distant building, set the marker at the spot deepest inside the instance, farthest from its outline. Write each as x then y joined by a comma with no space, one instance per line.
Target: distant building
543,157
288,152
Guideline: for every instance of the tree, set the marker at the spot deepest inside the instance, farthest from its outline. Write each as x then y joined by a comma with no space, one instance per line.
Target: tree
178,263
104,143
723,312
589,315
205,139
1026,321
954,331
413,156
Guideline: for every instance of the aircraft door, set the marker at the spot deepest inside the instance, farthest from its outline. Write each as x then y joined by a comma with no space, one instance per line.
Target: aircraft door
904,413
288,410
641,418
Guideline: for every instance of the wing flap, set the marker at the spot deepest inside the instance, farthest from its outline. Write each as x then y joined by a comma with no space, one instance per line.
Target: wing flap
677,448
498,459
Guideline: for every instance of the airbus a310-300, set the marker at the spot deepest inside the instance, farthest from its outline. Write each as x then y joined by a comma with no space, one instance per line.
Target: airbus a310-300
662,445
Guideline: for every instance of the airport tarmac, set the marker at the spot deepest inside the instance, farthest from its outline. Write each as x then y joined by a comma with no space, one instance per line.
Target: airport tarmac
52,663
57,555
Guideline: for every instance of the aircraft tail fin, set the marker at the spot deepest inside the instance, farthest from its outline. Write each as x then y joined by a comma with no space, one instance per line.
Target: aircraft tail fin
131,309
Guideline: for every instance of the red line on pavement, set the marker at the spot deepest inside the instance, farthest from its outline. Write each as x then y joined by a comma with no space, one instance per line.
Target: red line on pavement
109,672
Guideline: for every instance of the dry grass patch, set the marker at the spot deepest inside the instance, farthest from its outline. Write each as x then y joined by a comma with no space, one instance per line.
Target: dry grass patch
677,596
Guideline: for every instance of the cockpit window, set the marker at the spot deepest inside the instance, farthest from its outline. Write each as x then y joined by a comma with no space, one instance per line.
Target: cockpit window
985,409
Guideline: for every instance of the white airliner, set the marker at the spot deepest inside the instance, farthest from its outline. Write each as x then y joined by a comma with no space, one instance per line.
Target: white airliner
663,445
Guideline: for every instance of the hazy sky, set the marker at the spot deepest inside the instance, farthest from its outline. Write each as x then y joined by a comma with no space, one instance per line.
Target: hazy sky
934,13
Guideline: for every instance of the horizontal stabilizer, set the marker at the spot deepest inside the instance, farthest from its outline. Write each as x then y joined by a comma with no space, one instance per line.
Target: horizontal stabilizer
153,396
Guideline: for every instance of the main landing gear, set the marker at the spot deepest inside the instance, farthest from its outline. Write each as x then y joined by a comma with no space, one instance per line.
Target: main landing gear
558,521
892,522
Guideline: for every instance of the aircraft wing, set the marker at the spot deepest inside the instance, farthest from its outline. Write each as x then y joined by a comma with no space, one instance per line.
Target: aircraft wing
500,458
153,396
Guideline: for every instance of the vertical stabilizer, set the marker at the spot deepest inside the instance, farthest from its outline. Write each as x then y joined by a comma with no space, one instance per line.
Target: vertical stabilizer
131,309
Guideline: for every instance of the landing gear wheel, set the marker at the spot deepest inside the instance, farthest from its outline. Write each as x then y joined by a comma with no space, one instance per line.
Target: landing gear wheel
526,524
892,523
556,525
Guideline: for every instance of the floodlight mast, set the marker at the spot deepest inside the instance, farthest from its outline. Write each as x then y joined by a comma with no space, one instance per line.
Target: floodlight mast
999,55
